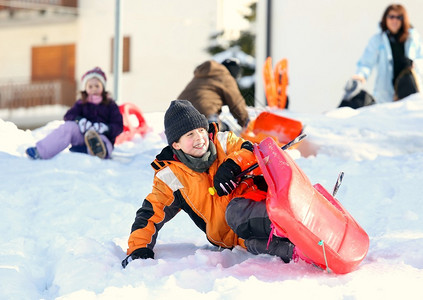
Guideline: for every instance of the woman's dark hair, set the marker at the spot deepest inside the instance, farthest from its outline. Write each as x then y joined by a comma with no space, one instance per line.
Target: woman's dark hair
104,95
405,26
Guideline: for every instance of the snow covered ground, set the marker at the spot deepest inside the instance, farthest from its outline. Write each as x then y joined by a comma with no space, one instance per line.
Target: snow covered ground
65,221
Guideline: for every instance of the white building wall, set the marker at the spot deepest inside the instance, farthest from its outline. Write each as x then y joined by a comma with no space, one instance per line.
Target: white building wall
322,41
168,39
17,42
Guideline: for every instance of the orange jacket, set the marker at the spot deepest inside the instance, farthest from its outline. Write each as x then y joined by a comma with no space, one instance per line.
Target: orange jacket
176,187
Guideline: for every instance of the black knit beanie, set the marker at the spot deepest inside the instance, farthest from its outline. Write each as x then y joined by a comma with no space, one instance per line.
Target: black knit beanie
180,118
233,66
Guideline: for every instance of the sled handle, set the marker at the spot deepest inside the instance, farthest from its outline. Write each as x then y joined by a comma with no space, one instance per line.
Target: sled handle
284,147
337,184
212,190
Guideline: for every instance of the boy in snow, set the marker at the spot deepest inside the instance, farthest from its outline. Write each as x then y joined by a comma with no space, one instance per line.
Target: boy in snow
91,124
199,156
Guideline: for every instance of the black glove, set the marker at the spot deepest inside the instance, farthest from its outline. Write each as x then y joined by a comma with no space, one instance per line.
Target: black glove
405,62
142,253
260,182
224,181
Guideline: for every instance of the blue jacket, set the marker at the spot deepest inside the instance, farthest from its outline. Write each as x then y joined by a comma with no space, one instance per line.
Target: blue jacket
378,54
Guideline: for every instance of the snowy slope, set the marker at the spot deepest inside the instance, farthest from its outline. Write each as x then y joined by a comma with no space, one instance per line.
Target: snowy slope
65,221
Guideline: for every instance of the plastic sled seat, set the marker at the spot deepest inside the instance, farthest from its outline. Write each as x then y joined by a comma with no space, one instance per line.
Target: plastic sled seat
308,215
130,113
267,124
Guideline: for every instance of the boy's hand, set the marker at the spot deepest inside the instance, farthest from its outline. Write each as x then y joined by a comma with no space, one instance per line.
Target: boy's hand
142,253
225,179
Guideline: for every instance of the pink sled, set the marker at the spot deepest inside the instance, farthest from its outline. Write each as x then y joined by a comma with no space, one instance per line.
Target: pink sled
308,215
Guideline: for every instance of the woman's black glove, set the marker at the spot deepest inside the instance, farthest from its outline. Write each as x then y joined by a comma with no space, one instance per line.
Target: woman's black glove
225,179
142,253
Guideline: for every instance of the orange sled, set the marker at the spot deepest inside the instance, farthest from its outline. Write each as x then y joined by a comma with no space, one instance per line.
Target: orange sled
281,81
267,124
129,129
270,83
275,82
308,215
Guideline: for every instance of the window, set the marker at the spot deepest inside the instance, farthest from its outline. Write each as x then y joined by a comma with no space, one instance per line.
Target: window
125,52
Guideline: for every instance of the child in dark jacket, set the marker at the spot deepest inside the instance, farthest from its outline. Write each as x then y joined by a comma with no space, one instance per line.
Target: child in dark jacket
91,124
198,157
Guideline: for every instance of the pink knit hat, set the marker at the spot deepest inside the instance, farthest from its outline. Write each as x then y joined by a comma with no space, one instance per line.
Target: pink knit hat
94,73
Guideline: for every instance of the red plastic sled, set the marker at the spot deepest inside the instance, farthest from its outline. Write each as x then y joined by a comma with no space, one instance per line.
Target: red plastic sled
308,215
268,124
129,129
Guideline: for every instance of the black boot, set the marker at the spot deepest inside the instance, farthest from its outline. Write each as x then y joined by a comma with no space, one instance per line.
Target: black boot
281,247
95,145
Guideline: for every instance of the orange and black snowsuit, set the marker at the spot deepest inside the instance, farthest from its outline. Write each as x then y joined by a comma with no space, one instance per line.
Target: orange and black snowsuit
176,187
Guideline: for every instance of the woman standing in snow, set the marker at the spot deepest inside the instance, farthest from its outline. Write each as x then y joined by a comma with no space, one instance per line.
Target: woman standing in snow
398,47
91,124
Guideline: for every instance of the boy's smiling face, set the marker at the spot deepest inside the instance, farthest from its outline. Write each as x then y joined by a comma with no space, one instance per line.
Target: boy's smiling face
194,142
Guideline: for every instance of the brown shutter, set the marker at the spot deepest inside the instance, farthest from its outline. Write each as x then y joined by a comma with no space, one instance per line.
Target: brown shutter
125,52
53,62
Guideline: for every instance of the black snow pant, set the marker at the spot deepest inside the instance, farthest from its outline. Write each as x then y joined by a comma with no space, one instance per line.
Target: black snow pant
250,221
